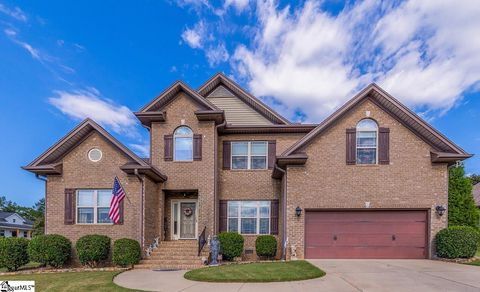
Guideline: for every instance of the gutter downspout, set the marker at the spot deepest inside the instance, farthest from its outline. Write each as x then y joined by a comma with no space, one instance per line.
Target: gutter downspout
142,215
45,179
284,213
215,176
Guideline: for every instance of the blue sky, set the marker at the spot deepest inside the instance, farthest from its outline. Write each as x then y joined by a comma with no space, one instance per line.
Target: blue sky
61,61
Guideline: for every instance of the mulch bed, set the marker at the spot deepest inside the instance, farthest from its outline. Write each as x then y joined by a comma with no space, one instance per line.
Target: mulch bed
47,270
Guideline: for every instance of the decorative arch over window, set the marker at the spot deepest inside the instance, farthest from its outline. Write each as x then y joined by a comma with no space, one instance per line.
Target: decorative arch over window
367,142
183,144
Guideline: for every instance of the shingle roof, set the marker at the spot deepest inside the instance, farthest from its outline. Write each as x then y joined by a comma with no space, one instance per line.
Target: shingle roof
28,224
476,194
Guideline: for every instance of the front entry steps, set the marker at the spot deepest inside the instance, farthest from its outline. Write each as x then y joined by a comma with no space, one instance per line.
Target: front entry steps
175,255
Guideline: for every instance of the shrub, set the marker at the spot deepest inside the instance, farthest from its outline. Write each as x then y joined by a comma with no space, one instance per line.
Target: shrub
231,245
92,249
52,249
457,242
461,205
126,252
13,253
266,246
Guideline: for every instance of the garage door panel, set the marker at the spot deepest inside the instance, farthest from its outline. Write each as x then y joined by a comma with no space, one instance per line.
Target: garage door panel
365,234
377,216
367,252
360,227
367,239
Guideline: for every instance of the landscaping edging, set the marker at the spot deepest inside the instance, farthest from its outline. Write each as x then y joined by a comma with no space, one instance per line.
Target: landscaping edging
66,270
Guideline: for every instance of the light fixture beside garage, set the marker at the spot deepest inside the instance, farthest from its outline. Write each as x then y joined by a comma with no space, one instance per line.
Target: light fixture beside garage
298,211
440,210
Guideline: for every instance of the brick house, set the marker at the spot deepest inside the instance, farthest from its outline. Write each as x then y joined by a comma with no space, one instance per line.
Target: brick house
364,183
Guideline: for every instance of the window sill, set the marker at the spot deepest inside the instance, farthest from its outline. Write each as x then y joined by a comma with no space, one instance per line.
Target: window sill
183,161
94,224
249,170
367,165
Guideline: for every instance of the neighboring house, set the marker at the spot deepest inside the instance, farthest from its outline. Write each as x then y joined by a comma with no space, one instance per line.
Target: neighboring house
364,183
476,194
14,225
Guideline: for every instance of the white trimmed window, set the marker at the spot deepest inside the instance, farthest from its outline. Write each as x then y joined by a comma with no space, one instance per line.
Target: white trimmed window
367,133
183,144
249,217
2,233
93,206
249,155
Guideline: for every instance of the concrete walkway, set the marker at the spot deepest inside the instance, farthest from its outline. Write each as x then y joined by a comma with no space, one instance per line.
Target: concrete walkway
342,275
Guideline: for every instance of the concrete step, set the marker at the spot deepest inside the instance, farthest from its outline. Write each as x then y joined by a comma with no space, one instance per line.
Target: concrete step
172,262
168,267
173,256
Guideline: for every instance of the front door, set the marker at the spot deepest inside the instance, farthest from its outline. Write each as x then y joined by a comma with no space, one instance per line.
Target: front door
184,219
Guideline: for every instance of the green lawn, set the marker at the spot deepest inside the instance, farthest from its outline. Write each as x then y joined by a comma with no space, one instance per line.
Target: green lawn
478,253
257,272
71,281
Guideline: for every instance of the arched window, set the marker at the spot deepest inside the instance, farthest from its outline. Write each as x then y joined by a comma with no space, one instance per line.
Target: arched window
367,133
183,144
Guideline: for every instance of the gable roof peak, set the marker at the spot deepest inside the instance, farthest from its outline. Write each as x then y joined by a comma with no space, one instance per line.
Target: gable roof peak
171,92
51,156
220,78
384,100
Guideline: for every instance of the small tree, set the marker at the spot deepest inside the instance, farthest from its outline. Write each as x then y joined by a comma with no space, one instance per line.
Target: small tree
461,206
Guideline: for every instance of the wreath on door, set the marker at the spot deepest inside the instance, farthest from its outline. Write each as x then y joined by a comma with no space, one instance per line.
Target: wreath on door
188,212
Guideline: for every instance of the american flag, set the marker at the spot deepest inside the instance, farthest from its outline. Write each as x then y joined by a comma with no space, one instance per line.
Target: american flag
118,196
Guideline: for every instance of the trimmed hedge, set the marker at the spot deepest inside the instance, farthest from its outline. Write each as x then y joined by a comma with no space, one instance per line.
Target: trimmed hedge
266,246
126,252
92,249
52,249
231,245
13,253
457,242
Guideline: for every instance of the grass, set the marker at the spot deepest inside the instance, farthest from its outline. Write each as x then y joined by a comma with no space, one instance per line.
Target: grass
30,265
257,272
71,281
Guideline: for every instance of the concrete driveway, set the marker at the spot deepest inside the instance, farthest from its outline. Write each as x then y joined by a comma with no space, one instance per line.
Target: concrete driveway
342,275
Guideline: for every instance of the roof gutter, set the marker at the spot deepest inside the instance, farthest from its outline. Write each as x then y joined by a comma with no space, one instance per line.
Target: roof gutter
45,179
142,214
284,212
215,174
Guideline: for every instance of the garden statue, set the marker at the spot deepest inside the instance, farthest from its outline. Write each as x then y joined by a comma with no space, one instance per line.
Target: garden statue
214,249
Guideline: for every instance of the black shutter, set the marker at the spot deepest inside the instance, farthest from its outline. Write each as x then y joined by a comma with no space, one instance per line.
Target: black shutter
272,153
69,206
168,147
197,147
227,149
274,217
384,146
351,146
223,216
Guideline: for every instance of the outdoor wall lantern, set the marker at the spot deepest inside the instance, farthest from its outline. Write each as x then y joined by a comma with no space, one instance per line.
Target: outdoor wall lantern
440,210
298,211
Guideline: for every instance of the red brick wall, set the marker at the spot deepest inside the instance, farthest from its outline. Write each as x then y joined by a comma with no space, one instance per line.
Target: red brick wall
410,181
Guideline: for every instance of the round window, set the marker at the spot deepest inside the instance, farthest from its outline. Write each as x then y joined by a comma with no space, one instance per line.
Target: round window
95,154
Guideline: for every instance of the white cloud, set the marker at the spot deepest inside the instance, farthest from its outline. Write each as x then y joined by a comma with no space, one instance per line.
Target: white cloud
240,5
194,36
12,34
216,55
16,13
81,104
143,150
423,52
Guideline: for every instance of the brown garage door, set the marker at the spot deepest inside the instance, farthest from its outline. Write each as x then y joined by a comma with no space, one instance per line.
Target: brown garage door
366,234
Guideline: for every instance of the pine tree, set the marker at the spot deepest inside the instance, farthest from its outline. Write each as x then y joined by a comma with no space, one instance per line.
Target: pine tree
461,206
